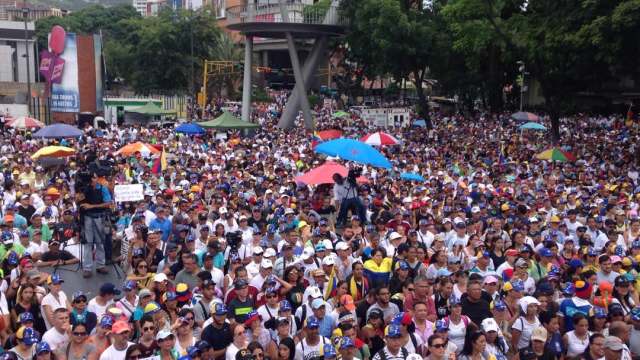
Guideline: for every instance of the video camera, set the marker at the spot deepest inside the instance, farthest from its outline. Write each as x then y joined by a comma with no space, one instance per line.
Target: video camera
234,239
353,174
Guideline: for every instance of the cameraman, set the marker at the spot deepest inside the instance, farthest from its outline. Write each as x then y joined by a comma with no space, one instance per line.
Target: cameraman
345,194
96,225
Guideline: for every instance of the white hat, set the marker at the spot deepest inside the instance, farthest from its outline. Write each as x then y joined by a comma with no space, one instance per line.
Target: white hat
317,303
328,261
314,292
394,235
475,209
160,277
489,324
307,253
269,253
242,217
289,211
342,246
266,264
222,210
525,301
258,250
269,191
327,244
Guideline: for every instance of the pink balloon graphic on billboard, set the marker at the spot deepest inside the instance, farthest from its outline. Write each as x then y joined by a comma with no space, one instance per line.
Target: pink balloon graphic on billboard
51,65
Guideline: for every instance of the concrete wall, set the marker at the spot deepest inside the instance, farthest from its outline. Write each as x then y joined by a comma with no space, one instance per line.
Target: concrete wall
6,63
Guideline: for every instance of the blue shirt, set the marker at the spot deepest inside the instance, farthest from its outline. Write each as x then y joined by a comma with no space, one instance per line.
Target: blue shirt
326,326
106,195
163,225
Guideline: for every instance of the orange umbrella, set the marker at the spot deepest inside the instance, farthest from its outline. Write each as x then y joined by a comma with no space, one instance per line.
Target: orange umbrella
138,147
323,174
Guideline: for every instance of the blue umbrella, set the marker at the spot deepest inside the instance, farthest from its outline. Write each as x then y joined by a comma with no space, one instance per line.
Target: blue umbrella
57,131
420,123
412,177
353,150
532,126
190,129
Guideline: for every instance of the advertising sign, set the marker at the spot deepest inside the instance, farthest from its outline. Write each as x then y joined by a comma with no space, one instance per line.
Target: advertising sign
65,95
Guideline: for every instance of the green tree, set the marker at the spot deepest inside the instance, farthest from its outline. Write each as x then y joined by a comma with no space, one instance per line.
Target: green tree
393,38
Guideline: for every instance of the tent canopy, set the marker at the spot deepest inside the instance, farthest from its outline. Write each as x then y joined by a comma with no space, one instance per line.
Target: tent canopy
227,121
151,109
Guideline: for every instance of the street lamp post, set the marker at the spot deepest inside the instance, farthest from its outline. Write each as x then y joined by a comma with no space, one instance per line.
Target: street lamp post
521,68
25,15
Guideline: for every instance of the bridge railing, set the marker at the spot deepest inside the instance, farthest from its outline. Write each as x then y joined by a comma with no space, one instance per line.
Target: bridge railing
298,14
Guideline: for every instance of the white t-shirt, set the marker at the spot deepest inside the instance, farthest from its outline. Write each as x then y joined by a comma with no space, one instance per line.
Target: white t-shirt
49,299
525,328
97,309
55,339
457,333
111,353
310,351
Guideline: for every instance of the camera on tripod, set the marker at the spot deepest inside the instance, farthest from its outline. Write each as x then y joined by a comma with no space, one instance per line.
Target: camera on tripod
353,174
234,240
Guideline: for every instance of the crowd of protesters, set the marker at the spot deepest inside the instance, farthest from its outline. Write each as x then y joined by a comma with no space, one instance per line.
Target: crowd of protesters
497,255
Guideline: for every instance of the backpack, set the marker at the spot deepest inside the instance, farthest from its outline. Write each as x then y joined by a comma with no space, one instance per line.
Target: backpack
303,317
464,318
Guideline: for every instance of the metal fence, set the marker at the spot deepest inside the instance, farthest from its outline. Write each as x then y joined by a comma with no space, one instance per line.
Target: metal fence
298,14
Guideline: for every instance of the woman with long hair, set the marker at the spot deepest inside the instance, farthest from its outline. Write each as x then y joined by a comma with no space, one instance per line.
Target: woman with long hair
496,344
43,352
475,344
577,340
294,294
438,261
183,328
496,246
134,352
255,332
378,268
78,348
27,302
286,349
257,351
239,342
342,288
141,274
622,295
357,283
551,322
457,323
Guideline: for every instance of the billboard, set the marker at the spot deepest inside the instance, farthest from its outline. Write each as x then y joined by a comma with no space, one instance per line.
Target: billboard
65,96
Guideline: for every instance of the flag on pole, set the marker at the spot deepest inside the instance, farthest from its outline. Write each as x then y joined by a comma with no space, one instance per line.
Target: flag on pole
160,164
332,285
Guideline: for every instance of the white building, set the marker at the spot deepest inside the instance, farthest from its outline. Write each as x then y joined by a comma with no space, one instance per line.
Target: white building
140,6
13,49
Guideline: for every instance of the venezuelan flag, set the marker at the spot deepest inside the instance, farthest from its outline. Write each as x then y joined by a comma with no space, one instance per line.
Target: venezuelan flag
315,139
378,274
332,285
160,164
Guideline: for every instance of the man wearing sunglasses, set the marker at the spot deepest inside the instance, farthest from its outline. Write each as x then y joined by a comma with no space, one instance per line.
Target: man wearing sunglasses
79,312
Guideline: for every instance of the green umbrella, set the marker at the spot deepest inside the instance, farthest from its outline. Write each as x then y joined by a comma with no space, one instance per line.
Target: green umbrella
227,121
339,114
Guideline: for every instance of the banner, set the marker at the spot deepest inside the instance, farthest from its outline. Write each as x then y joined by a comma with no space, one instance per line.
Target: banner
65,95
125,193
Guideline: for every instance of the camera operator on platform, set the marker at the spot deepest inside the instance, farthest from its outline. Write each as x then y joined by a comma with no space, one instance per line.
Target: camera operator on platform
96,224
345,195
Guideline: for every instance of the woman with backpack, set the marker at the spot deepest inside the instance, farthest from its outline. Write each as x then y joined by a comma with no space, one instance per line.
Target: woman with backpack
456,323
523,326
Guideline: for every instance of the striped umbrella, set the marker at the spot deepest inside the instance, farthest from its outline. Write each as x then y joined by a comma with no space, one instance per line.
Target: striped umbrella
379,138
525,116
25,122
555,154
138,147
53,151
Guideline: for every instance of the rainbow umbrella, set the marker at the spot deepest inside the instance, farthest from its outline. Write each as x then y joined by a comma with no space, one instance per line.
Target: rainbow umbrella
53,152
555,154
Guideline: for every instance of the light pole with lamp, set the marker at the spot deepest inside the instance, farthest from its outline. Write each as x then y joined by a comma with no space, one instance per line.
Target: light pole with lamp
521,68
25,16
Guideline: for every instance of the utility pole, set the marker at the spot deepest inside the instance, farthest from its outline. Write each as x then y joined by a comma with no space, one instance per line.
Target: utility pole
193,82
521,68
25,15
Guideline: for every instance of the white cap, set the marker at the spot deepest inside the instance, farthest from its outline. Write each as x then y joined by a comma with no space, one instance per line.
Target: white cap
222,210
342,246
314,292
327,244
289,211
394,235
475,209
266,264
269,253
408,199
307,253
269,191
489,324
160,277
317,303
242,217
258,250
328,261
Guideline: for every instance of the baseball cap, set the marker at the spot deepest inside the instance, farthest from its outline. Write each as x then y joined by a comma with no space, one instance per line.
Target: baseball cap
599,313
312,322
29,336
329,351
119,327
129,285
489,324
346,342
55,279
347,301
441,325
258,250
498,305
241,283
285,305
203,345
163,334
220,309
109,288
613,343
539,334
317,303
544,252
342,246
106,322
42,347
144,293
266,264
393,331
26,317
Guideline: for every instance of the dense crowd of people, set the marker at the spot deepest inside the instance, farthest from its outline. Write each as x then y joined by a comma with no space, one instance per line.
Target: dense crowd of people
497,255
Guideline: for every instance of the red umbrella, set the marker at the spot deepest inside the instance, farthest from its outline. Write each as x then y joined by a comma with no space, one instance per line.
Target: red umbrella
329,134
24,122
323,174
379,138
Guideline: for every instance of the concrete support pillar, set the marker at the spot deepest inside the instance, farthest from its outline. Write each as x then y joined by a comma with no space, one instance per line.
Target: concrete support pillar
293,104
300,84
265,58
246,81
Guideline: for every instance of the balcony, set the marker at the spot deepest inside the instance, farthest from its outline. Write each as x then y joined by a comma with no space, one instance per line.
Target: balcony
303,20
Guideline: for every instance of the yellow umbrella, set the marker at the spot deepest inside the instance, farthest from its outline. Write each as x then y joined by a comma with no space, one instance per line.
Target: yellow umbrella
53,151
